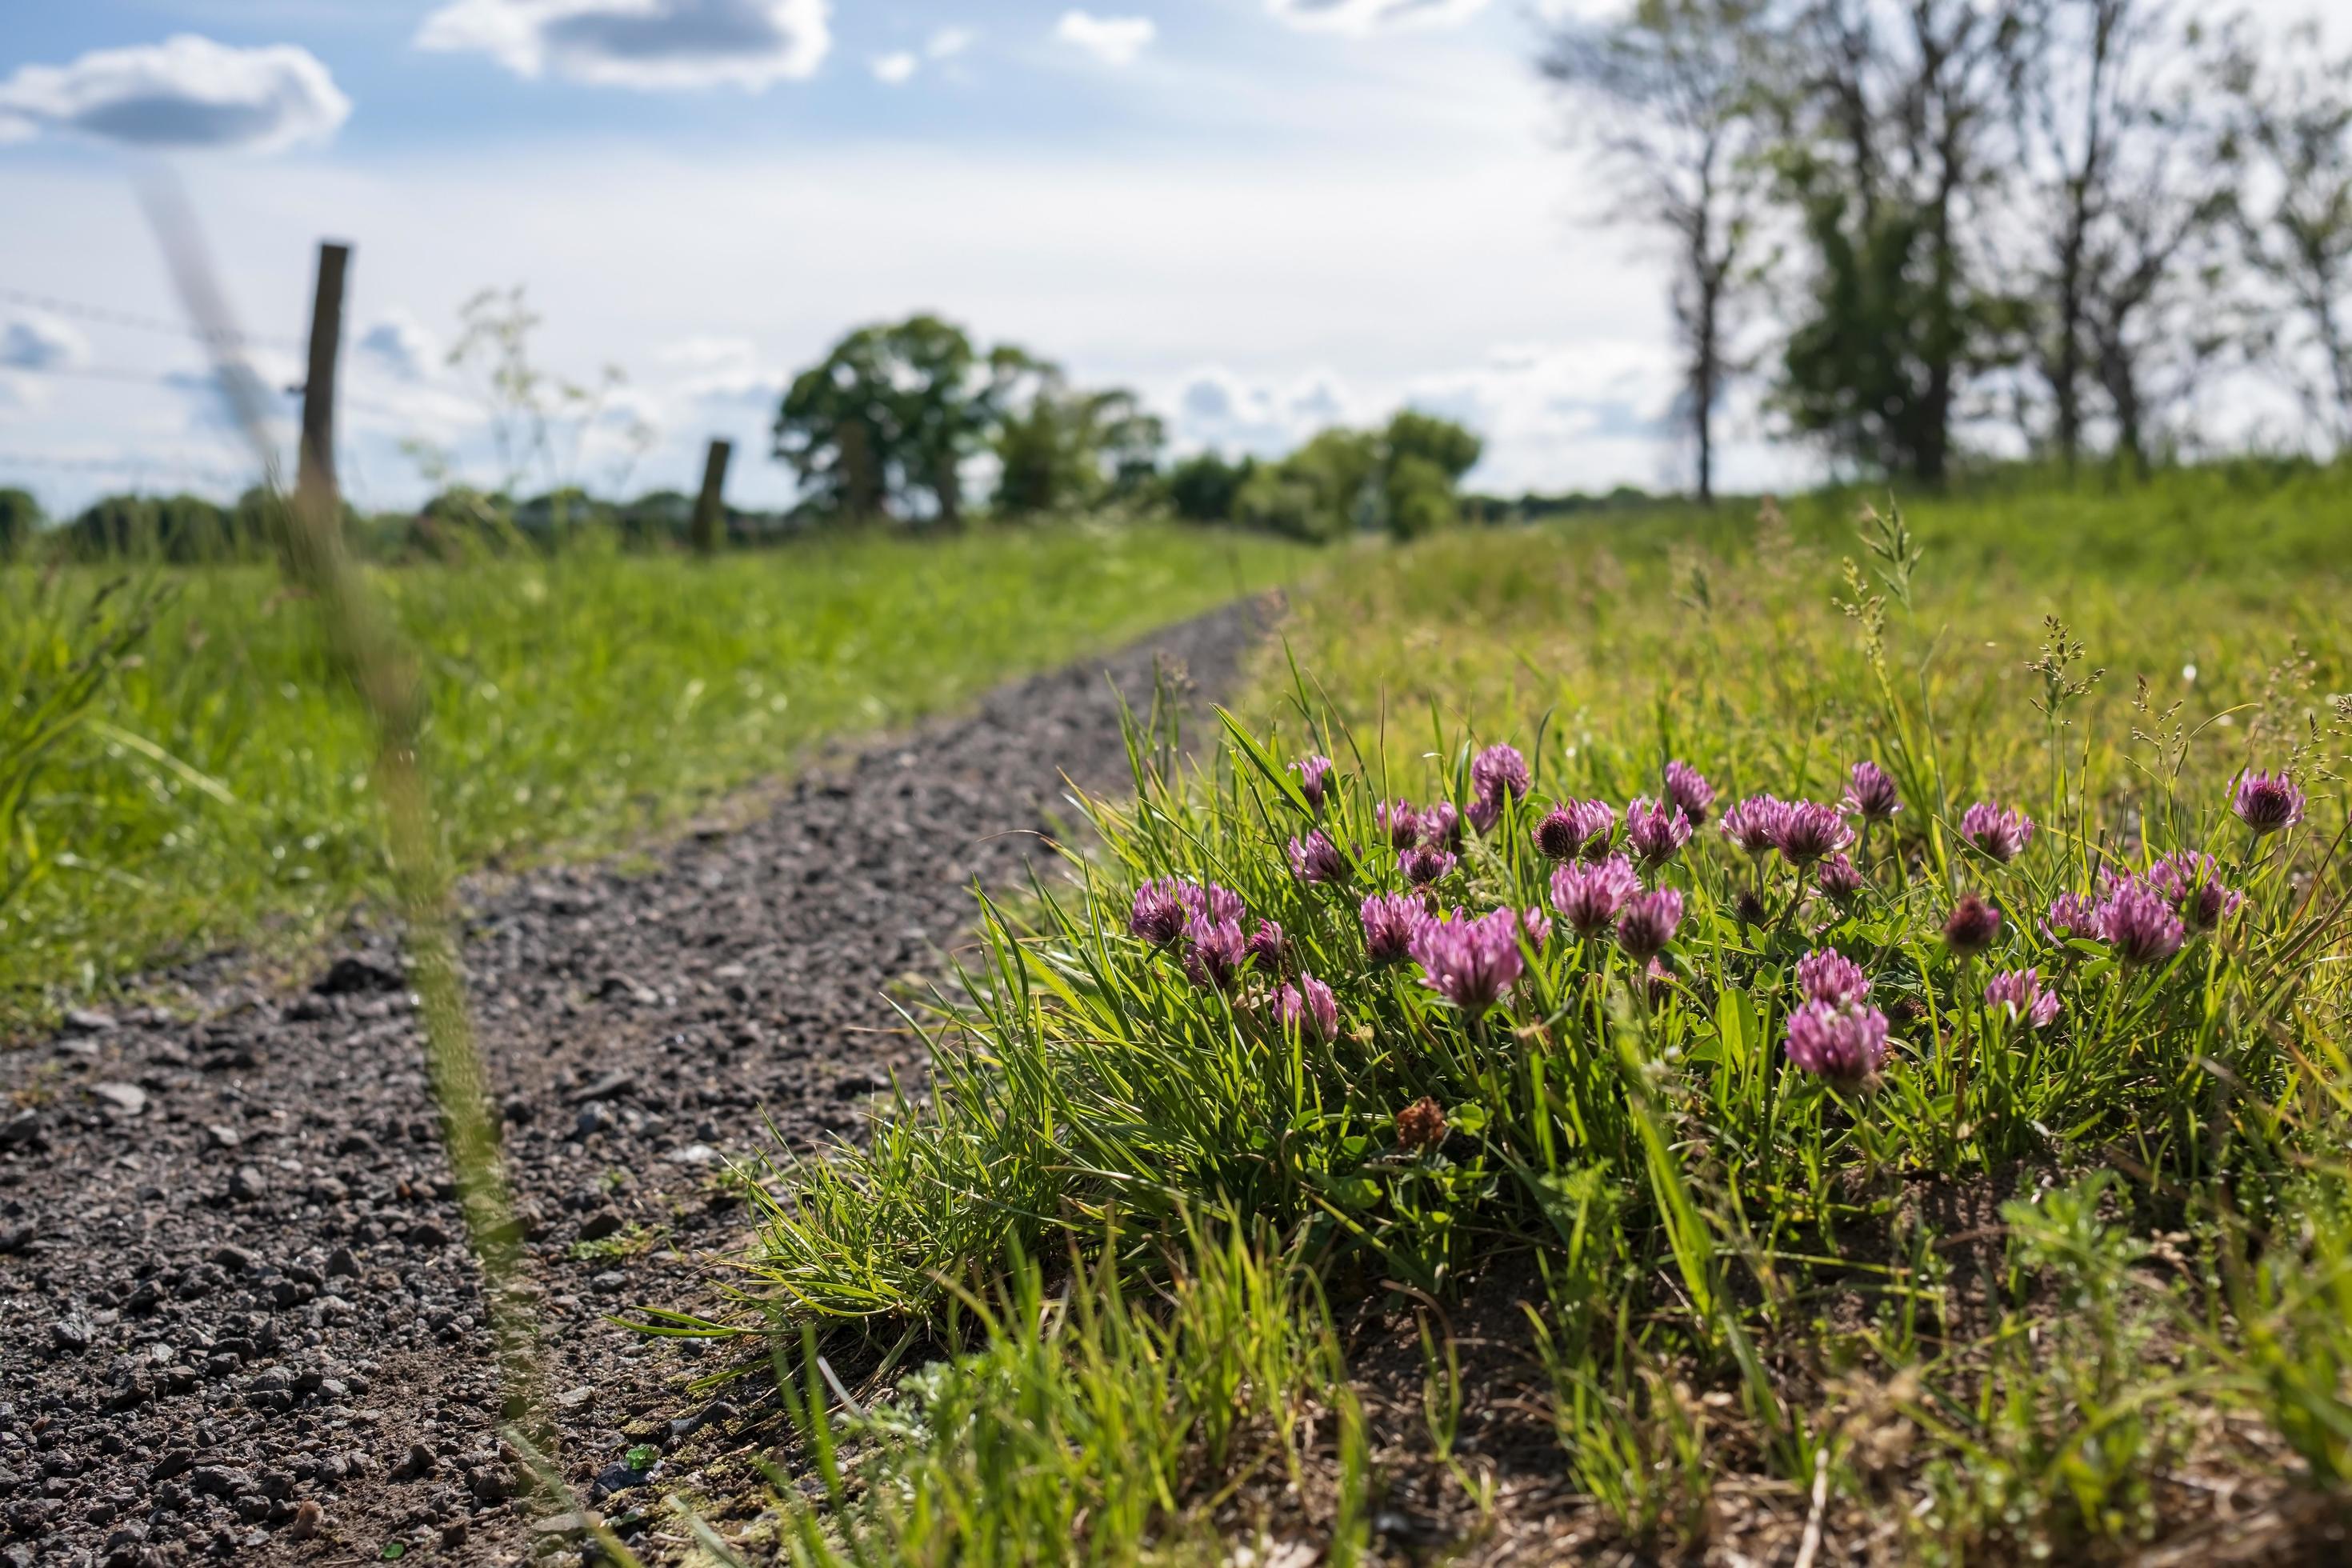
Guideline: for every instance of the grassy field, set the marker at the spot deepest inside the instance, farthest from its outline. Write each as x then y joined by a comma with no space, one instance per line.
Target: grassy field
215,788
1940,1191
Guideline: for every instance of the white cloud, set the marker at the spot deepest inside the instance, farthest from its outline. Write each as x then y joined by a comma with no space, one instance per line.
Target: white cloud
1359,17
188,92
398,344
642,43
1113,40
895,68
34,341
950,42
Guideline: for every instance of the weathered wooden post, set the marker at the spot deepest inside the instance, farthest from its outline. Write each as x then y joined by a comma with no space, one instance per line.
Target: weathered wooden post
314,482
709,510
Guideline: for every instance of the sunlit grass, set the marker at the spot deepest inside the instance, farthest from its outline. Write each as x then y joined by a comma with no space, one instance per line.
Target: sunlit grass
217,792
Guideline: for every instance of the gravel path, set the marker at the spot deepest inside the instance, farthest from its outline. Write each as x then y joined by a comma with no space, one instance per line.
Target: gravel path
238,1316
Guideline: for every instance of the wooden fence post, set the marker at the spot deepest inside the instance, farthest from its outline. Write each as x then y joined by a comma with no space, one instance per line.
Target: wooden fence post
709,510
314,481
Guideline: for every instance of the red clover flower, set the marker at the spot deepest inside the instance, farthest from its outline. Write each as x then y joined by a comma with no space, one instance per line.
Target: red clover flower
1314,779
1844,1044
1308,1004
1870,794
1400,822
1389,921
1754,824
1830,976
1498,770
1838,878
2267,802
1269,947
1688,789
2138,924
1647,922
1313,859
2020,991
1589,895
2072,915
1470,961
2001,833
1209,901
1214,954
1973,925
1806,830
1485,811
1158,915
1423,867
1579,827
1655,833
2190,881
1441,826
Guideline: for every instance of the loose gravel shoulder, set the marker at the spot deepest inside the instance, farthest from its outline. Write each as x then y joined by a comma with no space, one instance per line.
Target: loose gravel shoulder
238,1316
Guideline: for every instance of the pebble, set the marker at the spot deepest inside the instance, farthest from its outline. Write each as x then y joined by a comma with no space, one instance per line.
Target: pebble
246,1182
89,1021
126,1098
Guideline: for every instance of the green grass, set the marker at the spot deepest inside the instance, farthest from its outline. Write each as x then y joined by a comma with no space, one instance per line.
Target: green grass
215,790
1736,1292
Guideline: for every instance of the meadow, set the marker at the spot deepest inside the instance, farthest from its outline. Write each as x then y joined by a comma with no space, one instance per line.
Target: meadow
184,774
1817,1033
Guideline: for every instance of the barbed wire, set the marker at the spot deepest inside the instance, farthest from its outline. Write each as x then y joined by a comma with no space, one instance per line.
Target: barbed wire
135,320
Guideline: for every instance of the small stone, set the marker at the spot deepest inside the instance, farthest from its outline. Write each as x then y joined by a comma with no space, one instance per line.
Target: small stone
421,1460
308,1517
425,1232
126,1098
579,1398
342,1263
70,1334
89,1021
563,1524
610,1281
352,975
236,1260
593,1118
25,1127
355,1142
610,1084
15,1239
246,1182
224,1137
600,1225
693,1154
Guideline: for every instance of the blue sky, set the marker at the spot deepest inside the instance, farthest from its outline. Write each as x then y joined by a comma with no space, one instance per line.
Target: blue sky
1263,214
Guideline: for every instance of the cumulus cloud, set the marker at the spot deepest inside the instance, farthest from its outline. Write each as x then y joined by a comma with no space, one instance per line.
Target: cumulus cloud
642,43
399,346
1362,16
36,342
892,70
1113,40
188,92
950,42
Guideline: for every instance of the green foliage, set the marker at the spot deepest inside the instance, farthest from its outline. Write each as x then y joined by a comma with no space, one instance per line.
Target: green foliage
1417,496
1067,451
20,518
219,790
1443,444
892,412
1205,488
180,529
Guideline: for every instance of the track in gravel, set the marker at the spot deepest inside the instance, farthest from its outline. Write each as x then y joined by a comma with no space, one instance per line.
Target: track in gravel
238,1316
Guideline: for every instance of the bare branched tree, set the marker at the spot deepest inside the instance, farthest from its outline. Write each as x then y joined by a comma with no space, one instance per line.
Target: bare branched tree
1670,101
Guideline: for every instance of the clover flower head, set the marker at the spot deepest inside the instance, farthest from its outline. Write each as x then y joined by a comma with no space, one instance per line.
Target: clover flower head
1308,1004
1499,771
2000,832
1314,778
1576,827
2139,923
1269,947
1484,812
1400,821
1538,925
1158,915
1806,830
1214,952
1314,859
1655,833
1870,794
1847,1045
2190,881
1754,824
2020,991
1389,921
1588,894
1646,925
1690,791
2267,802
1420,866
1421,1126
1838,878
2072,915
1972,925
1827,975
1441,826
1470,961
1208,901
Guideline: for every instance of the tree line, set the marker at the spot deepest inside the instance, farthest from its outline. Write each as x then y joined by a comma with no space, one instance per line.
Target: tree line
1906,220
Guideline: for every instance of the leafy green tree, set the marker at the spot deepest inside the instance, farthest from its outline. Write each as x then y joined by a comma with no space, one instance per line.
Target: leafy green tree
20,518
892,411
1453,448
1273,498
1202,487
1417,496
1065,450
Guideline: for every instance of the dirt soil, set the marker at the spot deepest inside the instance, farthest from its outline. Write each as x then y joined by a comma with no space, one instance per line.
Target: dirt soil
237,1314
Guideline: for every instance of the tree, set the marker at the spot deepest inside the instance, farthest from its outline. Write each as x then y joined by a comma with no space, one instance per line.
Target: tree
894,411
2289,144
1678,86
20,518
1451,449
2118,206
1069,450
1202,487
1892,158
